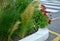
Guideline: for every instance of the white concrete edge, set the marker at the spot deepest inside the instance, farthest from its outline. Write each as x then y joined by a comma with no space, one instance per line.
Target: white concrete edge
40,35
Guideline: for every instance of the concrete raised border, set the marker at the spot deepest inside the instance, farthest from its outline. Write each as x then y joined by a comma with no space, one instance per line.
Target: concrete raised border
40,35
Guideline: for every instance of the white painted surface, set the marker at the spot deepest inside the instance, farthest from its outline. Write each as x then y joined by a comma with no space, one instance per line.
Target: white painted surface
51,3
56,1
53,6
55,18
43,0
40,35
51,10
